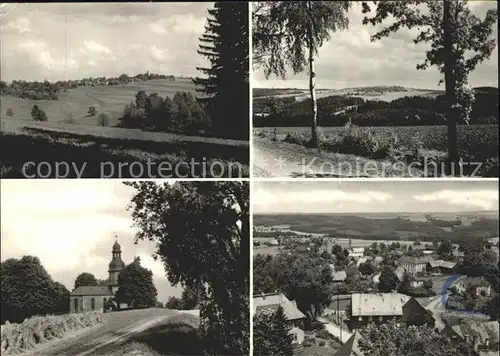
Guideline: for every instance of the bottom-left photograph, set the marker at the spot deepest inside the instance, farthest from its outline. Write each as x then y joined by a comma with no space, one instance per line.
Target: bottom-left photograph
111,267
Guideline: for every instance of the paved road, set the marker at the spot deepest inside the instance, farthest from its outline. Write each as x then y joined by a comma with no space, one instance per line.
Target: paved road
118,327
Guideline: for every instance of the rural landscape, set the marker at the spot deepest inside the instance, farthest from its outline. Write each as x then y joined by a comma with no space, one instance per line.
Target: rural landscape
363,99
157,117
333,275
125,293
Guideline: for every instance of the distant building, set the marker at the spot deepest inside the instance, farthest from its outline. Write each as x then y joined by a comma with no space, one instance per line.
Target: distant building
399,272
339,277
351,347
85,298
413,264
441,267
479,284
380,308
482,336
270,303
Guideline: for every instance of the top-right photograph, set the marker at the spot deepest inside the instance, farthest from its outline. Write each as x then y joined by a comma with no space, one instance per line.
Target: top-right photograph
375,89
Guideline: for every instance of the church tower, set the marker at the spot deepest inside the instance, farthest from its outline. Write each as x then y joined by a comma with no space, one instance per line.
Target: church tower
115,266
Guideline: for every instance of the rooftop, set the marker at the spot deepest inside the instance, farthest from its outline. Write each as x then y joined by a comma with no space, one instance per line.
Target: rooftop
486,330
271,302
88,290
415,260
351,347
339,276
378,304
443,264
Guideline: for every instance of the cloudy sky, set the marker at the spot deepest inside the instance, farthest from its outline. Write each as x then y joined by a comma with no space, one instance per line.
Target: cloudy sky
350,60
70,225
59,40
374,196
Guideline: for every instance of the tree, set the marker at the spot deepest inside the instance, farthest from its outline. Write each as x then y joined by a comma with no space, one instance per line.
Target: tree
135,286
202,235
103,119
85,279
191,296
428,284
405,285
271,334
459,42
225,45
102,282
367,268
92,110
174,303
28,290
9,112
388,280
389,339
38,114
289,33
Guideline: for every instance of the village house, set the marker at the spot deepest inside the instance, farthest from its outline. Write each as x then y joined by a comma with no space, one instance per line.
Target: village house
380,308
351,347
270,303
413,264
399,272
85,298
482,336
339,277
479,285
439,267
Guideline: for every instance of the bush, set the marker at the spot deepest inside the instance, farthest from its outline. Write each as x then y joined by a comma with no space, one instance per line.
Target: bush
16,338
297,138
9,112
38,114
321,343
92,111
356,141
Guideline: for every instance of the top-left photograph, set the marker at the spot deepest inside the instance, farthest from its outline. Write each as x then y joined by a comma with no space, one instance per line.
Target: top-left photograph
124,90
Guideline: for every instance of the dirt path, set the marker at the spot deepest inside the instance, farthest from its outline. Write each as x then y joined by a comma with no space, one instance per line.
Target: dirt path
103,339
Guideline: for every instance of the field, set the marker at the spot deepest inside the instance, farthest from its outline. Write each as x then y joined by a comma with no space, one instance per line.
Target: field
70,135
76,102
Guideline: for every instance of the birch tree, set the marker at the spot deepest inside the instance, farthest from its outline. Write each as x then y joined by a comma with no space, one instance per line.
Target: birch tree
288,34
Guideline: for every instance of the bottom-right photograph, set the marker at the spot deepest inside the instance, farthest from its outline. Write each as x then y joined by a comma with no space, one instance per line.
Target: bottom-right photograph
376,268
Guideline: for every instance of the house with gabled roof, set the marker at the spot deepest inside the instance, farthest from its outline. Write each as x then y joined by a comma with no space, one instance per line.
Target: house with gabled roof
351,347
482,336
441,267
270,302
412,264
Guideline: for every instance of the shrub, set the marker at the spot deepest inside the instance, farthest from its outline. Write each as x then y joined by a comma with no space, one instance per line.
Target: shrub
9,112
297,138
92,111
321,343
103,119
38,114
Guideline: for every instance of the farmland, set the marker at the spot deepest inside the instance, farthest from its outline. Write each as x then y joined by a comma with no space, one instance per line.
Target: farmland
72,135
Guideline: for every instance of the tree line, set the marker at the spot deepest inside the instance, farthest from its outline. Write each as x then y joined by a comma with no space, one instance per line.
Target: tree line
406,111
46,90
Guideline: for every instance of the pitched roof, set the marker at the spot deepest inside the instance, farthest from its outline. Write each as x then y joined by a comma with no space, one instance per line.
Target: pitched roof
271,302
362,260
356,249
339,276
97,290
485,330
377,304
443,264
415,260
351,347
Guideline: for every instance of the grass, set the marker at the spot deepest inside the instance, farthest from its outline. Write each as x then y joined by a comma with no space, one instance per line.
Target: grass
17,338
477,143
89,151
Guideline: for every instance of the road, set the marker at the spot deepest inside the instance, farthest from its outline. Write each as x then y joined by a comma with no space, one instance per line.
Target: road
117,329
335,330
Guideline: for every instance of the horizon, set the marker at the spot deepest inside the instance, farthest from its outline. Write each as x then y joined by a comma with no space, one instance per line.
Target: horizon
104,39
382,212
367,86
350,59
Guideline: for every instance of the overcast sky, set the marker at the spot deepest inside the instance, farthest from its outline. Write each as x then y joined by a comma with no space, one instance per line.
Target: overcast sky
374,196
70,225
349,60
60,40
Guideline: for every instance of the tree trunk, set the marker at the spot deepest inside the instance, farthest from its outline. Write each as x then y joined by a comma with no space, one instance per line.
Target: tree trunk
312,75
449,79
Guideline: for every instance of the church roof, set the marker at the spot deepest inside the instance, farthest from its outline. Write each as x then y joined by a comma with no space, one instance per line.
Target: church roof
116,246
97,291
116,264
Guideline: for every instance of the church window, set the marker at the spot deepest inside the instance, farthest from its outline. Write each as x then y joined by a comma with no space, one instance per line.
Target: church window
92,303
75,302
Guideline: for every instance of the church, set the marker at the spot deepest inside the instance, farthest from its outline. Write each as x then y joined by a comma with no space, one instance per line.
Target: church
85,298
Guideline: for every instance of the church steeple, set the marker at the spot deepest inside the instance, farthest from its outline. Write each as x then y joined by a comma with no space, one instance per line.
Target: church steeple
116,264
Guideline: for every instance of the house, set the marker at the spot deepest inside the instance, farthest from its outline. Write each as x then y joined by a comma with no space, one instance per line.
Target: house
356,252
479,284
399,272
85,298
351,347
339,276
413,264
271,301
482,336
383,307
441,267
378,260
362,260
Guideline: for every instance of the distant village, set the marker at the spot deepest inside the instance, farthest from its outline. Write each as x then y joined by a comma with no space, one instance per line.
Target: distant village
423,284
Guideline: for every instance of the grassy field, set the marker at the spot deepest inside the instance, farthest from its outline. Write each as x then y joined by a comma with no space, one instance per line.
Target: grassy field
109,99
